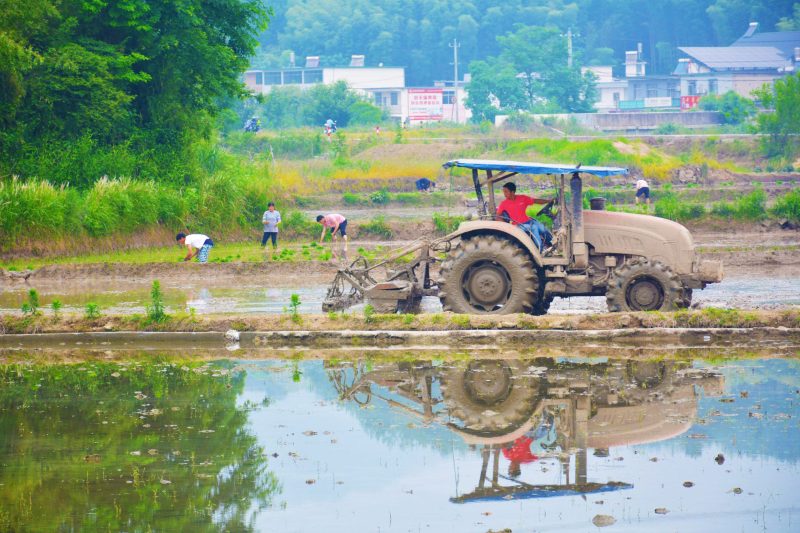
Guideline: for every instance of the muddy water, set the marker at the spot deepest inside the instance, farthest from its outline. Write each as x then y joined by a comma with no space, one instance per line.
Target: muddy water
744,292
428,445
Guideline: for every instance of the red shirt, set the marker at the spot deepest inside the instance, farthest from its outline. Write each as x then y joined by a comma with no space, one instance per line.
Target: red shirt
520,451
516,208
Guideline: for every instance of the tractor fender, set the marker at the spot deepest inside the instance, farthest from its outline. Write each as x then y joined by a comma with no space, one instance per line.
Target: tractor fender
500,229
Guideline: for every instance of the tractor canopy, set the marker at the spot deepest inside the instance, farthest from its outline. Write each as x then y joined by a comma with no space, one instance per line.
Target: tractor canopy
520,167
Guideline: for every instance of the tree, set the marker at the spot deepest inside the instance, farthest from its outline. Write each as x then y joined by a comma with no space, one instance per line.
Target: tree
147,74
784,120
734,108
494,89
540,57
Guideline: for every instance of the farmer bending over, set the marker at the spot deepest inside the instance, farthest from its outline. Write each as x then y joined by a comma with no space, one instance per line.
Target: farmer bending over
196,244
513,208
335,222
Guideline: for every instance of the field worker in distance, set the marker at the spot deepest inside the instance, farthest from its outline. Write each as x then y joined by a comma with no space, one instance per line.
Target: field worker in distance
642,191
197,244
335,222
513,208
424,184
271,219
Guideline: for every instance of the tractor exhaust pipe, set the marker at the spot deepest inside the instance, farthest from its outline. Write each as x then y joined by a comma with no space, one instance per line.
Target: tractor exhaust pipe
579,252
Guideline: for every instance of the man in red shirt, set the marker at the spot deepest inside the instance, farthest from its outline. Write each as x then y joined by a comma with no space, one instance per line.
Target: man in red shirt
513,208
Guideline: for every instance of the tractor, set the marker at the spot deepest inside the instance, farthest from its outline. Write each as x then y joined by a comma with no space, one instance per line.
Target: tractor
489,266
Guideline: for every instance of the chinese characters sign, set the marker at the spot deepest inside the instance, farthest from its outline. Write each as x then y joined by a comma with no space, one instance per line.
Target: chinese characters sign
425,104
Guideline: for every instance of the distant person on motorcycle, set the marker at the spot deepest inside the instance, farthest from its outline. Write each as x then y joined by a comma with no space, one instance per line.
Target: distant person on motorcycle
513,210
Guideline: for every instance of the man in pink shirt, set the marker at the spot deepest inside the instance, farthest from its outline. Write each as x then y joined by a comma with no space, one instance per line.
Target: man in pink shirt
335,222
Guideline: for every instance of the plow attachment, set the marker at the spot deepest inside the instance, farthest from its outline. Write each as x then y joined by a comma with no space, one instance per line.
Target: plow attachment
394,289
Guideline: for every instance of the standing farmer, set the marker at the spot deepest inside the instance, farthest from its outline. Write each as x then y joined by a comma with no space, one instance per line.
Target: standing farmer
271,219
335,222
642,191
196,244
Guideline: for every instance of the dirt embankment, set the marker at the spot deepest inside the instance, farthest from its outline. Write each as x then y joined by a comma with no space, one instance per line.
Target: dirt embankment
707,318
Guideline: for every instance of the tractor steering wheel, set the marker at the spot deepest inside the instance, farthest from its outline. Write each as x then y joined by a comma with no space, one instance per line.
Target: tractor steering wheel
547,210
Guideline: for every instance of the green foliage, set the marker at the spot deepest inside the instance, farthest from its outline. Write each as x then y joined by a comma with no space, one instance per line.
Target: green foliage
746,207
380,197
294,306
399,33
735,109
668,128
88,414
109,76
289,107
784,99
31,307
56,306
399,136
155,311
297,224
92,311
788,206
445,224
377,226
670,205
369,314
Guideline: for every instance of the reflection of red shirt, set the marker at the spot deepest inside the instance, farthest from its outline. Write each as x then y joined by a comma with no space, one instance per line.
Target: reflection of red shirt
516,208
520,451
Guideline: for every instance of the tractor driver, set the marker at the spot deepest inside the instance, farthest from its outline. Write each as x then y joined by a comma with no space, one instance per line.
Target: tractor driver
513,208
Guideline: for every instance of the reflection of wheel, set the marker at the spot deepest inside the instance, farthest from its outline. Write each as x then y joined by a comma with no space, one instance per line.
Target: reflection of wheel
490,397
643,285
488,275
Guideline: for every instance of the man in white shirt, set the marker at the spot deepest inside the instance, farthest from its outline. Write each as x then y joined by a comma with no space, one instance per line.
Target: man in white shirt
197,245
642,191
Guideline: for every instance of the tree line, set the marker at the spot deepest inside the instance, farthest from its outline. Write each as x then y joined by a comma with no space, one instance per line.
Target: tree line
416,33
131,82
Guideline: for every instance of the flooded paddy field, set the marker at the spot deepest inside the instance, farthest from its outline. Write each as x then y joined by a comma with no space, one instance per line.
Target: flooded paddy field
213,297
418,440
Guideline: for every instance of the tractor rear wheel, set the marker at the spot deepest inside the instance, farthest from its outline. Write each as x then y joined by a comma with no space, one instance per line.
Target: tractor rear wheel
488,275
644,285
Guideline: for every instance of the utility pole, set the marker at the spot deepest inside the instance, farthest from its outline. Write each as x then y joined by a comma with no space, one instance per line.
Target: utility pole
455,46
569,47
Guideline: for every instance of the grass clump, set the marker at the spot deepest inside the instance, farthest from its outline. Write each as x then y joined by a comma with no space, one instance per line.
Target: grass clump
788,206
369,314
377,226
55,305
92,311
156,311
294,306
31,306
445,224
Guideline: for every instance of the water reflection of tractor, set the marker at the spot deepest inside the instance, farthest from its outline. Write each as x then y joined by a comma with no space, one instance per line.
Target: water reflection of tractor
529,410
638,262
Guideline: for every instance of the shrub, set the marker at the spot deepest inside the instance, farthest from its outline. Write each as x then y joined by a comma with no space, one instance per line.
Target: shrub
294,305
380,197
377,226
92,311
297,224
446,223
751,206
788,206
670,206
155,311
56,306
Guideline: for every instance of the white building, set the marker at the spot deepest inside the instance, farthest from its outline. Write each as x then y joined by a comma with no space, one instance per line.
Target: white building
384,86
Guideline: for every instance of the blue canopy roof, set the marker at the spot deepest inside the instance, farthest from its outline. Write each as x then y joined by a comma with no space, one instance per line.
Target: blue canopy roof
533,168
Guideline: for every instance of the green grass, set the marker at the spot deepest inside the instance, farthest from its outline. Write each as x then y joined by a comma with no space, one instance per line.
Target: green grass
248,252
